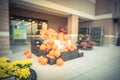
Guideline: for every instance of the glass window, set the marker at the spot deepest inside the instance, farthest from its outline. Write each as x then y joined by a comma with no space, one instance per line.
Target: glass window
33,26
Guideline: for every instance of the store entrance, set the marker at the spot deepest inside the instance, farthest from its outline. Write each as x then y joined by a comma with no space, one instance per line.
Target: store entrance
23,28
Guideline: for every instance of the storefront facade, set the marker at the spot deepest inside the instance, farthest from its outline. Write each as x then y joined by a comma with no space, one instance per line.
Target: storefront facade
103,17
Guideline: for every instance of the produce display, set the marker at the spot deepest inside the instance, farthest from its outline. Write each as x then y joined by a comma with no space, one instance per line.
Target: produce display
53,47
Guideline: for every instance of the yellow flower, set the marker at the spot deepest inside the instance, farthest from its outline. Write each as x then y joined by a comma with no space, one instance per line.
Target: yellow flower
20,68
4,59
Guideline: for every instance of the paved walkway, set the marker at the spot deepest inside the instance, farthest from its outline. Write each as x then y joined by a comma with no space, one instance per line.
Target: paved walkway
101,63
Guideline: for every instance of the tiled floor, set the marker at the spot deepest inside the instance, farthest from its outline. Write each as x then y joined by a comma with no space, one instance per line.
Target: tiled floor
101,63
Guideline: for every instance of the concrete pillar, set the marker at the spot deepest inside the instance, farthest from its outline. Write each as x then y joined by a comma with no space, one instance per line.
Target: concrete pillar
73,27
4,27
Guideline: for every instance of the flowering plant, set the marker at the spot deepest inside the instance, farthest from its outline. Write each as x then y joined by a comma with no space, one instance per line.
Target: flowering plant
20,68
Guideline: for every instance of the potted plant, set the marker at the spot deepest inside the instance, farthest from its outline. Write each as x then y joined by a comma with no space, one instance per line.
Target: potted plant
20,69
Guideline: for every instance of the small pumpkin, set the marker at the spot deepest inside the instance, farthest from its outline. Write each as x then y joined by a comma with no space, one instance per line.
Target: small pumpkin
57,53
44,61
51,53
50,41
59,62
54,47
42,47
65,37
73,47
26,52
63,50
48,47
68,47
45,42
40,58
28,55
50,56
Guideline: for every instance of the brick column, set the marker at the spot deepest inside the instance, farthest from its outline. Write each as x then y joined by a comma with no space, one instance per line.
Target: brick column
73,27
4,27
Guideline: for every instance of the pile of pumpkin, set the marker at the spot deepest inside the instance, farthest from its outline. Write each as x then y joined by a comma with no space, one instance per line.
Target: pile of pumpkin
49,36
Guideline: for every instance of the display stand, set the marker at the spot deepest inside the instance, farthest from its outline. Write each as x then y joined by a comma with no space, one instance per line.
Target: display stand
68,55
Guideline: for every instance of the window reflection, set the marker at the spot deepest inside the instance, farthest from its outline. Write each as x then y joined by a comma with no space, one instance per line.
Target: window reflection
33,26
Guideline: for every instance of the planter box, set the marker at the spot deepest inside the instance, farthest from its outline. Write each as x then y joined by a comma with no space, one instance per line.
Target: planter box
66,57
51,61
73,54
65,53
41,53
33,42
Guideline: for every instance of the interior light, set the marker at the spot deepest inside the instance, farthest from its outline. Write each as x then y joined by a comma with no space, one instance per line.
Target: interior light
39,24
33,22
23,20
29,20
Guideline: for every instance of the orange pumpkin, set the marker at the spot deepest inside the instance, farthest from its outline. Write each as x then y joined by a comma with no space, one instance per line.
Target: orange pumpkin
63,50
68,47
59,62
54,47
61,39
48,47
44,61
50,30
50,56
51,53
50,41
65,37
45,42
26,52
28,55
60,36
54,34
73,47
40,58
54,38
42,47
57,53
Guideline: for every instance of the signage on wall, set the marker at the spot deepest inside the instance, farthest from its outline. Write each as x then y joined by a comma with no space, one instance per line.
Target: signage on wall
20,32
